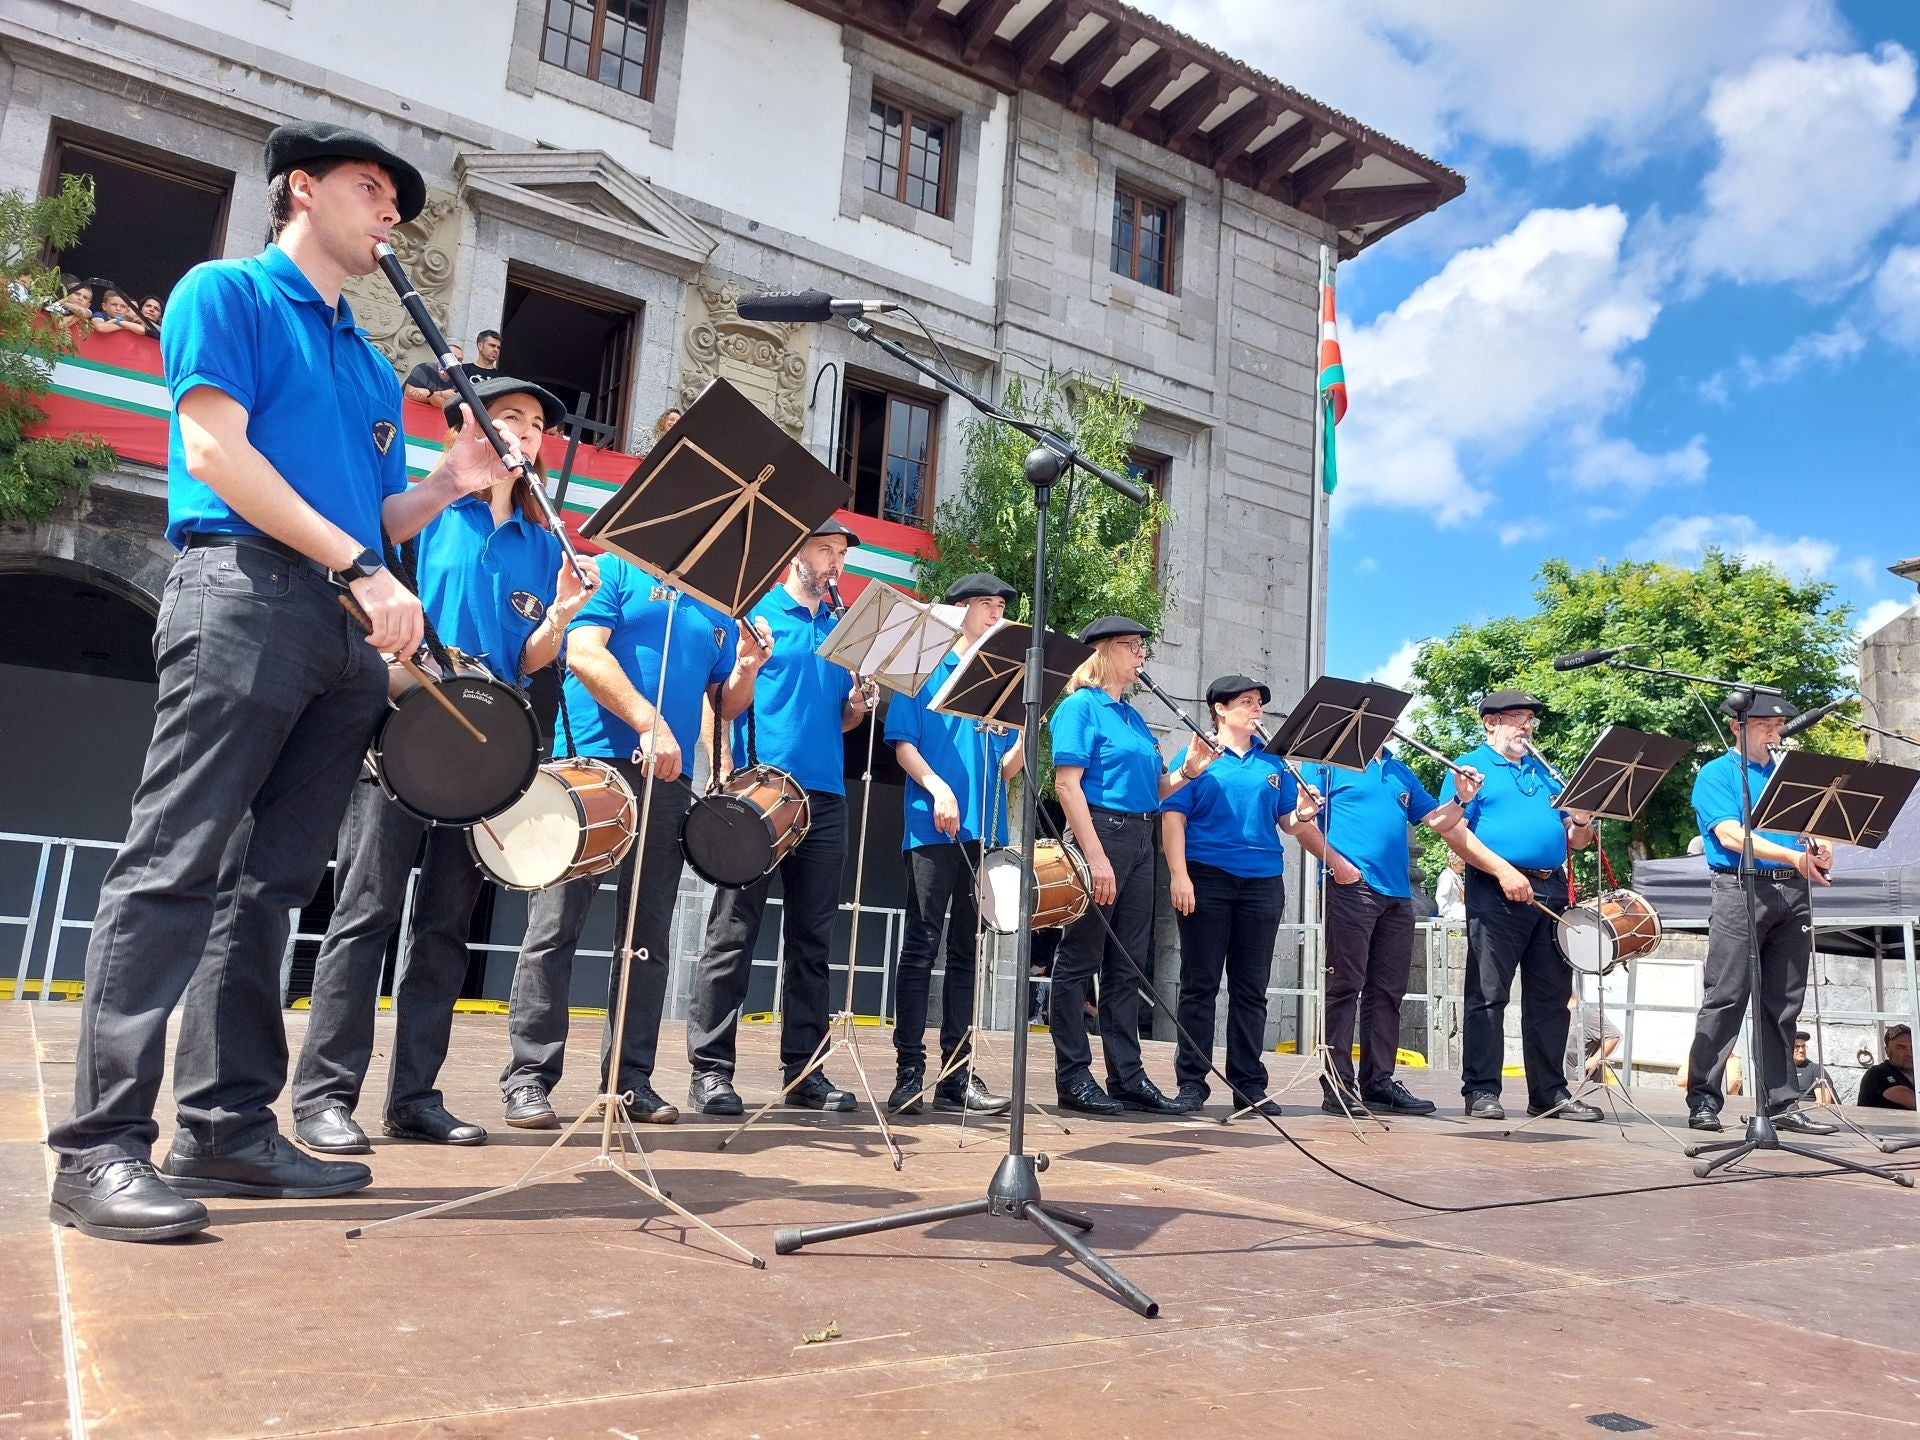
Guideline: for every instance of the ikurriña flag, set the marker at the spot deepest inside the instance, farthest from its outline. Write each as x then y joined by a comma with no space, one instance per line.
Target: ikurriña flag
1332,388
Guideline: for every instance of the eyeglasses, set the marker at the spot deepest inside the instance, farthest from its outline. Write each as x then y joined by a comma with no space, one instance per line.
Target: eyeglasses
1137,646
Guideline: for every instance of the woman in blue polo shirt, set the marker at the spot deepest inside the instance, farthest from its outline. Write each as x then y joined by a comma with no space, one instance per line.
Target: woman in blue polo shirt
492,582
1108,775
1221,834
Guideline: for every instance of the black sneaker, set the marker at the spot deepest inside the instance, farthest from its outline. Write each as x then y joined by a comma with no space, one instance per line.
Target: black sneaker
1396,1099
529,1109
816,1092
908,1082
969,1093
123,1200
711,1093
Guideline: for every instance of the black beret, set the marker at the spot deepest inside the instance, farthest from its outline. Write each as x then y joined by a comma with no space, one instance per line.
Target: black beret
291,146
1112,627
1496,700
1764,707
833,526
979,586
1228,686
494,386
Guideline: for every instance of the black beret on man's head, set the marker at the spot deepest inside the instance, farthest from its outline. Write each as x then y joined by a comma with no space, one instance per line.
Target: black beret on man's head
979,586
292,146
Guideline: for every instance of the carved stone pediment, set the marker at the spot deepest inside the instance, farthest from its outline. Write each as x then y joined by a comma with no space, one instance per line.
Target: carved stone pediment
427,247
766,361
586,197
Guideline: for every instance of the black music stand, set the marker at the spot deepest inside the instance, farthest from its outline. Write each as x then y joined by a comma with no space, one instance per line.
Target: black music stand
1615,782
1830,798
689,516
986,686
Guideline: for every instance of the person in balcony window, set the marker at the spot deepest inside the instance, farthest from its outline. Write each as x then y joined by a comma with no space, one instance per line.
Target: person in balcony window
151,310
75,312
486,355
117,315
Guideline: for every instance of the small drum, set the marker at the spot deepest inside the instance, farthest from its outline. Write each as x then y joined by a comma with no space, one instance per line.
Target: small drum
579,819
738,833
433,769
1606,932
1062,887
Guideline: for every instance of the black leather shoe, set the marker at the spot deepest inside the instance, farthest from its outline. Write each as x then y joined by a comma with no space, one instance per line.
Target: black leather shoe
960,1092
1084,1094
430,1121
1568,1108
712,1093
1191,1096
1331,1104
1265,1105
1396,1099
123,1200
908,1082
1485,1105
1143,1094
270,1170
529,1109
1703,1116
332,1131
648,1107
816,1092
1800,1124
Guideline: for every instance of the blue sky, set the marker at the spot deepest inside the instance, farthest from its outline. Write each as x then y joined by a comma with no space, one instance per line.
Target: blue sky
1679,304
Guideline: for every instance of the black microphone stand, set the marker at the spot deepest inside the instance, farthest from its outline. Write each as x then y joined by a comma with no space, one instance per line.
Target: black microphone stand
1014,1191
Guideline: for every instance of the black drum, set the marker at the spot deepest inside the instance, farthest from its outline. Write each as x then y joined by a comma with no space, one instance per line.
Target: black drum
433,769
737,834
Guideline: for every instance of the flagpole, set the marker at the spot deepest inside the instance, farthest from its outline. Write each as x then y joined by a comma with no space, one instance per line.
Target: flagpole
1316,567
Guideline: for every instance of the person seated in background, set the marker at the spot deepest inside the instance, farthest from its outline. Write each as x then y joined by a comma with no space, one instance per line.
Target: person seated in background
1450,891
428,383
1810,1075
486,355
151,309
1889,1085
1593,1045
117,315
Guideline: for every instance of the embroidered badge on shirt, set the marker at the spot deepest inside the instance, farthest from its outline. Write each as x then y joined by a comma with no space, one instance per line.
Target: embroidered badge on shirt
720,636
383,433
1273,779
527,606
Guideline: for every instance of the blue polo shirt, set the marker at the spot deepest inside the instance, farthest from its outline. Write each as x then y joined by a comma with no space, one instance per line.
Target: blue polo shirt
1513,814
1716,797
486,586
1233,812
1112,745
798,698
632,606
961,753
1366,817
322,404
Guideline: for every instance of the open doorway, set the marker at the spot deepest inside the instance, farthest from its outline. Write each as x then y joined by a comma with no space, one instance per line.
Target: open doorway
576,341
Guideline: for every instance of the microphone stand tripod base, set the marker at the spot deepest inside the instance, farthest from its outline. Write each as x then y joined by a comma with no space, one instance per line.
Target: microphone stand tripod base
1761,1135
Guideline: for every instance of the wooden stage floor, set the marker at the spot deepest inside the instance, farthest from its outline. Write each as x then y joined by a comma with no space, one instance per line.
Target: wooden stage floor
1291,1301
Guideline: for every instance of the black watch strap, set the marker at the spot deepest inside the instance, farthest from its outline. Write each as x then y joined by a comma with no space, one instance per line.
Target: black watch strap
367,562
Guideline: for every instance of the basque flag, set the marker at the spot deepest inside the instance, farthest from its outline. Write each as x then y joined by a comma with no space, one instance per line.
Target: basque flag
1333,386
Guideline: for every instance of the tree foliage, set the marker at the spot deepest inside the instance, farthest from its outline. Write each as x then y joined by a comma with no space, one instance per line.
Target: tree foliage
38,473
1724,617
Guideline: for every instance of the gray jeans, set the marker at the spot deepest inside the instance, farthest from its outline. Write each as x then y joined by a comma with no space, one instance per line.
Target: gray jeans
1780,911
268,697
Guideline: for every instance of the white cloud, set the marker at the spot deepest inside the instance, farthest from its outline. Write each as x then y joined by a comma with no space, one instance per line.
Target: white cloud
1366,565
1826,349
1682,538
1896,294
1514,532
1397,669
1508,341
1510,72
1880,613
1610,463
1816,157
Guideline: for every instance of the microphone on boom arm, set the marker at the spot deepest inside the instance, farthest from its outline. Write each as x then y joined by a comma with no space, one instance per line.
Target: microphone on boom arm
806,306
1581,659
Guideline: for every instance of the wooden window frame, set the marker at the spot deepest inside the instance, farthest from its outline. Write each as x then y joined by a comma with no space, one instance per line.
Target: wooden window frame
1122,191
650,69
1144,467
910,112
167,165
889,392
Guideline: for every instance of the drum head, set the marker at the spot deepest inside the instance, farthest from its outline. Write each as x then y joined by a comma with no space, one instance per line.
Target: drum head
1585,940
1000,892
434,769
530,844
726,841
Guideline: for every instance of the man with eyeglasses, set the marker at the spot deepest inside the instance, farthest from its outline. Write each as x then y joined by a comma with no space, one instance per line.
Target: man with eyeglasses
1513,816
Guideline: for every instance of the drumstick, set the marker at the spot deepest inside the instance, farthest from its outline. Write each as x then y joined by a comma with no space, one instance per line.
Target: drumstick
412,667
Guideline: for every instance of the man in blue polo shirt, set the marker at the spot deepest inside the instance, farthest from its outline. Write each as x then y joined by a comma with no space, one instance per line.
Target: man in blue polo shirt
802,705
493,582
1784,871
1370,919
956,802
615,708
284,463
1513,815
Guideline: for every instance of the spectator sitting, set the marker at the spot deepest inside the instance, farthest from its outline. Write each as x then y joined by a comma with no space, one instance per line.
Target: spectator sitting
430,384
1449,891
486,353
1889,1085
116,315
1598,1038
1810,1076
151,310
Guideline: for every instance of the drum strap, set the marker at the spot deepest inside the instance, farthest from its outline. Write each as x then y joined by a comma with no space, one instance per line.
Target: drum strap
566,723
1606,868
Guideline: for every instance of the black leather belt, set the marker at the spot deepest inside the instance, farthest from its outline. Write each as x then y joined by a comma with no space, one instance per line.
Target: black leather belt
1123,814
1772,877
202,539
1553,874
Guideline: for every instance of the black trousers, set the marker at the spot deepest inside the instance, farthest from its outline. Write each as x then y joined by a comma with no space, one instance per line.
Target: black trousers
1504,939
1231,930
940,891
1369,941
268,698
1781,916
1086,949
809,900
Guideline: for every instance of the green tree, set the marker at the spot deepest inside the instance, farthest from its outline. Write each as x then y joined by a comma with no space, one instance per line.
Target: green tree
38,473
1724,617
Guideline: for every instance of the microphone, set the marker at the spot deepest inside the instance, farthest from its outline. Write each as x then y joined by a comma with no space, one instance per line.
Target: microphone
806,306
1813,717
834,602
1580,659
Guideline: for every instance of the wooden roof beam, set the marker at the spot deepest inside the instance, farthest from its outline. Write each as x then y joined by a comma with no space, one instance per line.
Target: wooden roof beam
1087,69
1231,137
1186,110
915,15
1274,160
1135,93
1034,46
978,22
1366,204
1317,177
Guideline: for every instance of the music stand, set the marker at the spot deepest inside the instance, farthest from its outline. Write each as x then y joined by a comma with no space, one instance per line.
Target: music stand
1840,801
890,639
689,516
986,685
1614,782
